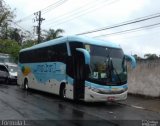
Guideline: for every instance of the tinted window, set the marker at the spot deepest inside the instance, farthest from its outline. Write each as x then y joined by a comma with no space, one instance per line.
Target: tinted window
57,53
3,68
47,54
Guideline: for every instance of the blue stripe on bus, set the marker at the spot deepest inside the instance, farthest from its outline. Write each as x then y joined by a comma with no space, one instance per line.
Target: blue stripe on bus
70,80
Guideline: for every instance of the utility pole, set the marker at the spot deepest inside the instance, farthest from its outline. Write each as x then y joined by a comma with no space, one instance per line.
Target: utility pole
39,19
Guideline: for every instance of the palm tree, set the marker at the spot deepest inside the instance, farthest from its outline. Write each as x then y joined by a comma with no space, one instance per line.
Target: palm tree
52,34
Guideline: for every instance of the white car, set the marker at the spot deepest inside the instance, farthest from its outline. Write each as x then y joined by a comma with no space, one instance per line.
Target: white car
12,70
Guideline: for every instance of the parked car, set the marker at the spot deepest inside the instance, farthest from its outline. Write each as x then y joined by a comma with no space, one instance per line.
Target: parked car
12,69
8,73
4,74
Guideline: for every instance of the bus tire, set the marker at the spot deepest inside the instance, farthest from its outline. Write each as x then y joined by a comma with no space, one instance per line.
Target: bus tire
62,91
25,84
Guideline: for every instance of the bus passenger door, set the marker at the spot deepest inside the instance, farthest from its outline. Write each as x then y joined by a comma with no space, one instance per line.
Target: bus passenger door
79,81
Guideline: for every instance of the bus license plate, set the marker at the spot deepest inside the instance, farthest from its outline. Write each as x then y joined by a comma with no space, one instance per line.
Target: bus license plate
111,98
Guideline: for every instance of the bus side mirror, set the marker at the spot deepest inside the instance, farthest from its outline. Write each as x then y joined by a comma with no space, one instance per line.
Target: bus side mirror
86,61
131,59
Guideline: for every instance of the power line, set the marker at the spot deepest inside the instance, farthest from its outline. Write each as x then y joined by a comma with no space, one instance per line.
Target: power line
75,11
79,14
24,30
39,19
53,7
75,14
44,9
20,27
139,35
24,18
129,30
123,23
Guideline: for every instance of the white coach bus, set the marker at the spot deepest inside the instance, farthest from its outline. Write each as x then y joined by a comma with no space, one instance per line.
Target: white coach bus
77,68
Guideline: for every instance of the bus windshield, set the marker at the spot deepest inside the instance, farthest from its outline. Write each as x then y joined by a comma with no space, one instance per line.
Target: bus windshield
107,65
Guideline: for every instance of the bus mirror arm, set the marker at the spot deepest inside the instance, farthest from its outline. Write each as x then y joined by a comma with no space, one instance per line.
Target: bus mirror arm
86,60
87,71
131,59
86,55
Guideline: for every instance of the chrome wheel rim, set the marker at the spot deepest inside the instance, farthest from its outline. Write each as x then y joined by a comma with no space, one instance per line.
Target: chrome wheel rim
64,93
26,85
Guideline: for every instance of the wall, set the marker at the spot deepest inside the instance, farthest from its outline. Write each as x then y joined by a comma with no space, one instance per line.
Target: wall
145,78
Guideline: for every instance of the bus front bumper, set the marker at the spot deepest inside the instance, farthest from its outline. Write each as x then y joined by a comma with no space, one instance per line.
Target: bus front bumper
92,96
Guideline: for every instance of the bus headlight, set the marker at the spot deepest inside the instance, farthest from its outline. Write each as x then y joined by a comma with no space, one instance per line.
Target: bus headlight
96,90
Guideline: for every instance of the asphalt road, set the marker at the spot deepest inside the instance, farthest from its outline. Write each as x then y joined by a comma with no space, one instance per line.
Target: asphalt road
19,107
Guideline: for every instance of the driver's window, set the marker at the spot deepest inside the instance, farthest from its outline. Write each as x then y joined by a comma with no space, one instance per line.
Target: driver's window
3,68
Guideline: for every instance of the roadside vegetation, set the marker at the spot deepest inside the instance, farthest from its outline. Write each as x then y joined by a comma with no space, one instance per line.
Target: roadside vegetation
13,39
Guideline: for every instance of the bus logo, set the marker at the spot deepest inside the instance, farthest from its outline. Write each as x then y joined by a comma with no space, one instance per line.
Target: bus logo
25,70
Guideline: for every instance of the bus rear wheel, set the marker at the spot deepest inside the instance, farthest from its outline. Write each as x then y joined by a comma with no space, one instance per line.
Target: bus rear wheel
25,84
62,92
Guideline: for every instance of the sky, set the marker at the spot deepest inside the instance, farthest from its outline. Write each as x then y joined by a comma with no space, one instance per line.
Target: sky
78,16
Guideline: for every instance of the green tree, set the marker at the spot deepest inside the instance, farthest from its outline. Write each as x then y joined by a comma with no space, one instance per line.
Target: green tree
14,34
28,43
10,47
137,57
52,34
151,56
6,16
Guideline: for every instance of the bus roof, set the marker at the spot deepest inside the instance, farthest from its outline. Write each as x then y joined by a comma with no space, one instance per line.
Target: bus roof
83,39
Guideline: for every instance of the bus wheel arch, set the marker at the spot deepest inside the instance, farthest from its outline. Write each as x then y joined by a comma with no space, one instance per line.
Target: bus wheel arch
25,84
62,90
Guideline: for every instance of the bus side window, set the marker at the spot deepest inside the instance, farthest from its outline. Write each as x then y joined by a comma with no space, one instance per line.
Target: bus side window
51,54
60,52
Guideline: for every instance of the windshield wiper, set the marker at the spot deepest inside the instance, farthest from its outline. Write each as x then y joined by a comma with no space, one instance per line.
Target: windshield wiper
111,68
108,68
115,71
